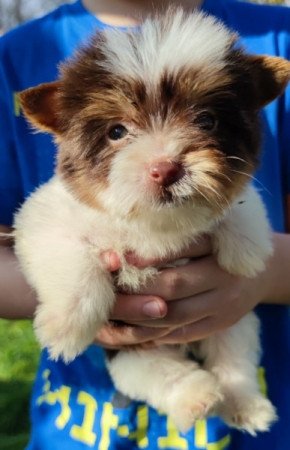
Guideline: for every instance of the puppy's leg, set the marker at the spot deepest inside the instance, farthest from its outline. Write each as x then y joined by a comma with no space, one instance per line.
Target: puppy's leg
243,244
75,294
233,357
59,261
168,381
242,241
67,328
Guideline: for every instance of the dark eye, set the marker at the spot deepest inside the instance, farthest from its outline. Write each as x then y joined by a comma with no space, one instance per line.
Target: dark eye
117,132
206,121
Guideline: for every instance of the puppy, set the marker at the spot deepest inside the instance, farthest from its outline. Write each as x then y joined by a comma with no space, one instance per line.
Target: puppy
158,135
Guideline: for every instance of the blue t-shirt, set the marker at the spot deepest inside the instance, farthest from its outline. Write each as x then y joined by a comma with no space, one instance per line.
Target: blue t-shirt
75,406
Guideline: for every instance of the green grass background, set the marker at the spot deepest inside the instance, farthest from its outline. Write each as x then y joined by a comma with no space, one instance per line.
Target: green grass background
19,354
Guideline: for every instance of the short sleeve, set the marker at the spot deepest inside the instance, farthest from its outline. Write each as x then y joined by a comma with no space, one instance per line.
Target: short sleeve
284,114
11,193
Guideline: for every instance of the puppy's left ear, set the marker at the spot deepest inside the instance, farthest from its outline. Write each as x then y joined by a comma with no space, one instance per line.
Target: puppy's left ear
271,75
40,105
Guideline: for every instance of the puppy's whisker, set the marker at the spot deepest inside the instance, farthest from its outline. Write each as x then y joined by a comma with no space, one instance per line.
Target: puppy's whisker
202,194
218,195
223,175
250,176
211,188
238,159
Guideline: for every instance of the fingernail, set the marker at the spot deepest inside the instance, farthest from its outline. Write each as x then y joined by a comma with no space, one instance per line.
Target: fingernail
154,310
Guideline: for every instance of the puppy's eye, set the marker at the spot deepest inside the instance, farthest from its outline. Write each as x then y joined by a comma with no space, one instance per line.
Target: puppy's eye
117,132
206,121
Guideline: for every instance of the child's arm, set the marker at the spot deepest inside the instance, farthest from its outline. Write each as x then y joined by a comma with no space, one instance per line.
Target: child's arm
203,299
182,287
17,300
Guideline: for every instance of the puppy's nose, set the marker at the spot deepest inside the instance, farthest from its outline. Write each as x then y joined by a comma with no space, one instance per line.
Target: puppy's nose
166,173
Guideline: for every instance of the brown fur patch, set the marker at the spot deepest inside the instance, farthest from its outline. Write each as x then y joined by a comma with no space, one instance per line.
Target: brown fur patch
177,102
90,100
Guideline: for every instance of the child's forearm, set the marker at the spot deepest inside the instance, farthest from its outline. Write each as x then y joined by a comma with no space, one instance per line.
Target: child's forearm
277,275
17,299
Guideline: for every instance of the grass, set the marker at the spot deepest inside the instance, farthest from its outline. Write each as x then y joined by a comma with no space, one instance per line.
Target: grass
19,355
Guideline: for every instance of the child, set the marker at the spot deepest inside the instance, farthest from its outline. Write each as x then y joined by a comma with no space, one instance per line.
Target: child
76,406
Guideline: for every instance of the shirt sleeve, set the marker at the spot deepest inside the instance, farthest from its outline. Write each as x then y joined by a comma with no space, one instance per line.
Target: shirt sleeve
11,194
285,137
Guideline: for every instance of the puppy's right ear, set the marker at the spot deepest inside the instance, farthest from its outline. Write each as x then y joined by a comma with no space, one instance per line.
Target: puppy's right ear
40,105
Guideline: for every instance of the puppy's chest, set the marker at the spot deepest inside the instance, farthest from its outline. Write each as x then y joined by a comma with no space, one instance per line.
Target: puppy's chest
144,242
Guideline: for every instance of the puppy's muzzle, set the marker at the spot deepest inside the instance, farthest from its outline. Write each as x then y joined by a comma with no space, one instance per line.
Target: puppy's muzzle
166,173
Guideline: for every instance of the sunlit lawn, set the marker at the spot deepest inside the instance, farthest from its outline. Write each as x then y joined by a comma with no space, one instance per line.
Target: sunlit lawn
18,362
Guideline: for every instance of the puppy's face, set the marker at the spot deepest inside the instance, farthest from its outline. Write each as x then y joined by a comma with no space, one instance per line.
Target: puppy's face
159,117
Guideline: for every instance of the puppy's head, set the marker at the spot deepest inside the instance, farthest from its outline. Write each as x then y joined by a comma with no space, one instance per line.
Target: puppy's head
160,116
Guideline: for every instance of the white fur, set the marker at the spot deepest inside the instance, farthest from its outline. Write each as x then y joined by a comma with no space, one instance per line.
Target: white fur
233,357
147,54
130,186
246,223
59,242
168,381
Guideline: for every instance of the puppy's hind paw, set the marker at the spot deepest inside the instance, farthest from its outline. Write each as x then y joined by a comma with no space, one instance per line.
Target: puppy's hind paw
193,398
252,415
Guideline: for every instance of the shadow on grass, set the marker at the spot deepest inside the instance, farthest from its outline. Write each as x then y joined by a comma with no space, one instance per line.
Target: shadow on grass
14,414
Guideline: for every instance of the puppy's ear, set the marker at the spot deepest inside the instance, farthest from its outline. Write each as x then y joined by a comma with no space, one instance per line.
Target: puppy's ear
271,75
40,105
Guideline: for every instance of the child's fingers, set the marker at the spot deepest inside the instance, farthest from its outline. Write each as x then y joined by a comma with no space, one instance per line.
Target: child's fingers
111,260
134,308
197,249
115,337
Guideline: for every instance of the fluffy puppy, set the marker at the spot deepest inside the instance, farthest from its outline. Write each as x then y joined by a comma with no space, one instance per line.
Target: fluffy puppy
158,135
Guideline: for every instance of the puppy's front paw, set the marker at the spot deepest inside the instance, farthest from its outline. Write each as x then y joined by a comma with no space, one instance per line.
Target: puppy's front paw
193,398
242,245
64,335
252,414
132,278
248,260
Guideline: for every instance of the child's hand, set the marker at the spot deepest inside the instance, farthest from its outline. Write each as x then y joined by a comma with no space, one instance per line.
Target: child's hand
190,302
